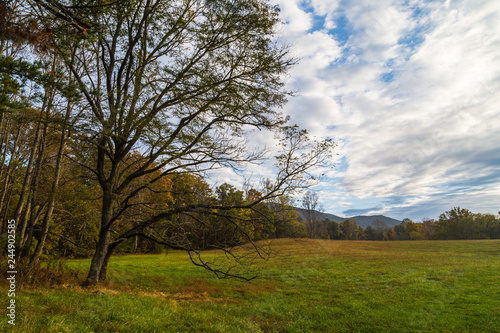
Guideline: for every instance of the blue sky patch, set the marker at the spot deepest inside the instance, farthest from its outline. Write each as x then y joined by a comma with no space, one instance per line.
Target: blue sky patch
342,30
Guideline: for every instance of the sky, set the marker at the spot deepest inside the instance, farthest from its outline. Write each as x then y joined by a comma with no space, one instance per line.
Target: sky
410,91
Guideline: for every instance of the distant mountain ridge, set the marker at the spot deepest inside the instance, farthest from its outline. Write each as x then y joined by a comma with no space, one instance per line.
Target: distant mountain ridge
361,220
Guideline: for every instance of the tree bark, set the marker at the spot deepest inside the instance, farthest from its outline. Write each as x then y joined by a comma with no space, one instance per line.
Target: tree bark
28,175
4,143
99,257
104,267
104,240
50,207
9,172
135,244
25,243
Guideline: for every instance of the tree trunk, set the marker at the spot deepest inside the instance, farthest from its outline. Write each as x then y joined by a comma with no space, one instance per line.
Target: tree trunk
27,177
135,244
9,173
25,244
104,267
99,258
50,207
103,243
23,223
4,144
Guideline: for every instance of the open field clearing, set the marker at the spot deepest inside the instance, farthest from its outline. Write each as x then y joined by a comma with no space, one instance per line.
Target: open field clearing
306,286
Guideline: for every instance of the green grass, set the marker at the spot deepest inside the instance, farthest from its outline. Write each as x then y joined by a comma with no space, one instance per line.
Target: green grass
306,286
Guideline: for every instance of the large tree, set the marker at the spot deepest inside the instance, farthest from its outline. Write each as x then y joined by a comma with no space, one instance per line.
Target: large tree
171,87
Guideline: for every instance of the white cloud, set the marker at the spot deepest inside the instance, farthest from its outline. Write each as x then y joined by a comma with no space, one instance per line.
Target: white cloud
327,10
296,19
316,51
377,28
433,125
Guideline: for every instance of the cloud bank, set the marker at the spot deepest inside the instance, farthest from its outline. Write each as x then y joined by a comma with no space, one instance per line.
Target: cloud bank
410,90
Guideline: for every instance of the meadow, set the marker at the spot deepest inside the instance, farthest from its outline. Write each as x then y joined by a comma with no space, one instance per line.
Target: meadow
305,286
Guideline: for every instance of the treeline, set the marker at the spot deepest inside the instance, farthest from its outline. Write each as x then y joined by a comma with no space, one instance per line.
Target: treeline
75,217
455,224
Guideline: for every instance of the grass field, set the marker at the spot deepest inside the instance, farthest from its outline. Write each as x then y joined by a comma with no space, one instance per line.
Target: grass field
306,286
